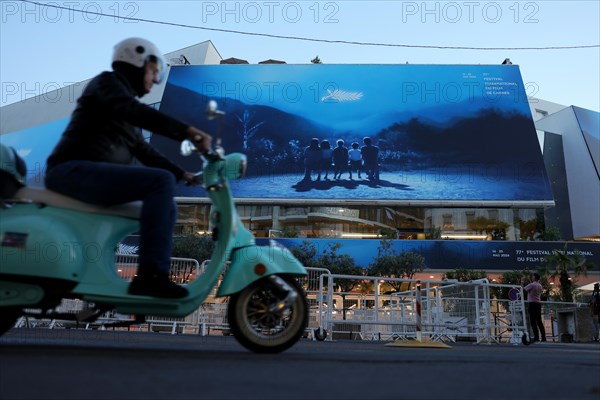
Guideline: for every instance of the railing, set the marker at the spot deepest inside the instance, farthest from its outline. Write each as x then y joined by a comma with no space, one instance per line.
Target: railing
437,310
446,311
209,318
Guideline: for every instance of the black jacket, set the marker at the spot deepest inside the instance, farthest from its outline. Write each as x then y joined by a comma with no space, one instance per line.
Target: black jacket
105,126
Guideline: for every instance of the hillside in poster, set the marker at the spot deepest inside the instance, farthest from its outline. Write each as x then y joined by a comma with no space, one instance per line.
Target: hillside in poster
437,132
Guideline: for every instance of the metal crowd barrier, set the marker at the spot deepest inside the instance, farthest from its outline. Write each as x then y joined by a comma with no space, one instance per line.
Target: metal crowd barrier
183,270
210,318
449,311
438,310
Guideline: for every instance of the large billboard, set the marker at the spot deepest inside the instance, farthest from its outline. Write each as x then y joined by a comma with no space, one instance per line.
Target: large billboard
497,255
34,145
440,134
490,255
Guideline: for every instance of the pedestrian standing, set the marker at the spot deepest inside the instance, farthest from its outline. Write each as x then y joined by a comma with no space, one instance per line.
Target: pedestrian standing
534,299
595,307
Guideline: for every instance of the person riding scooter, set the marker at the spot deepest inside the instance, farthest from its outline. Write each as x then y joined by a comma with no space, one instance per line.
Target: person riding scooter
93,161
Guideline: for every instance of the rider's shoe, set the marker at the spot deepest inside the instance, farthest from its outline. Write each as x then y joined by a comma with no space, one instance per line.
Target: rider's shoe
156,285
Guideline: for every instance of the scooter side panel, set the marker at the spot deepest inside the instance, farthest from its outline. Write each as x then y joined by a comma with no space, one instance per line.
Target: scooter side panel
37,242
242,271
50,242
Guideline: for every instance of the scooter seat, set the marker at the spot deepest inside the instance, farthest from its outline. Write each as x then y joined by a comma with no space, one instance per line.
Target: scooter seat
54,199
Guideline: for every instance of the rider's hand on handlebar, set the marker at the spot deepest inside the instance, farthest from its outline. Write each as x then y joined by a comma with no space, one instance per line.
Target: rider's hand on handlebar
202,140
191,178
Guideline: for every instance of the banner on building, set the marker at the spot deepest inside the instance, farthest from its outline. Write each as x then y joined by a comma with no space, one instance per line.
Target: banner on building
453,254
438,133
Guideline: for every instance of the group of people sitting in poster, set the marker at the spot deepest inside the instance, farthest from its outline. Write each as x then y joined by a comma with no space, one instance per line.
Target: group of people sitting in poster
320,158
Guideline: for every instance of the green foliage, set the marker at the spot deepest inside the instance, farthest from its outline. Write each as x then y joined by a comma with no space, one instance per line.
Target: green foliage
390,264
561,264
533,229
329,258
520,278
306,253
387,233
551,234
479,224
497,229
290,232
435,233
341,264
199,248
528,229
465,275
508,278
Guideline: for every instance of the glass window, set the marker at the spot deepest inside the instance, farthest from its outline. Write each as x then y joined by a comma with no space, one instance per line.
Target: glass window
367,222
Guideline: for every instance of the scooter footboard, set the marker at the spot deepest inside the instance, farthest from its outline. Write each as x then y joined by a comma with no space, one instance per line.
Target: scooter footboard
251,263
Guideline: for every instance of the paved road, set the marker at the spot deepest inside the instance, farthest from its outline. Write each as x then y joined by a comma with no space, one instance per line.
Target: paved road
79,364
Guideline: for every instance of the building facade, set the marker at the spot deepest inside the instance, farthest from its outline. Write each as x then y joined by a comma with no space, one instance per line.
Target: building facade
567,152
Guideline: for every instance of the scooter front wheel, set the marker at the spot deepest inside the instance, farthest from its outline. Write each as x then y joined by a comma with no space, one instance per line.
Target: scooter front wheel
258,325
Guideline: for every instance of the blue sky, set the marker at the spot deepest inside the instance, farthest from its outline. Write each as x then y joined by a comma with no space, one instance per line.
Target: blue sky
43,48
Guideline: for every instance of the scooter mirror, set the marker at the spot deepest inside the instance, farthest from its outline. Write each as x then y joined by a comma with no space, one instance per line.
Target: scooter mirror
187,148
212,110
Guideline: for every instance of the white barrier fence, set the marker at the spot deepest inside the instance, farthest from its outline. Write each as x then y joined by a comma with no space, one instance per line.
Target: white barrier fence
438,310
449,311
182,271
209,318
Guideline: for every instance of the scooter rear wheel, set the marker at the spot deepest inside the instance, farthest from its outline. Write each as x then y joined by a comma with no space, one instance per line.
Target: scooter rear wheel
261,330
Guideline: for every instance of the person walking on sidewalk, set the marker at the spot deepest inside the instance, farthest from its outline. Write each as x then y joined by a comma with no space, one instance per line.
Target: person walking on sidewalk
534,293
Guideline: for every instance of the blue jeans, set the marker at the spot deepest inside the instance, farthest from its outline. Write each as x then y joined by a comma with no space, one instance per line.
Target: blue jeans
110,184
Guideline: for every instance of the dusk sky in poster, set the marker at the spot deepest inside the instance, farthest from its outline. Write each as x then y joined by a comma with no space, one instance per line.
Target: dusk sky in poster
382,91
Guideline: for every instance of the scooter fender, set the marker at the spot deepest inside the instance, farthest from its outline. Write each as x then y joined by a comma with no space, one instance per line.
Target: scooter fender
251,263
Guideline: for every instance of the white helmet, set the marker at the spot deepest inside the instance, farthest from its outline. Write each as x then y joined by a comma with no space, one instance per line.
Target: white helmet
138,51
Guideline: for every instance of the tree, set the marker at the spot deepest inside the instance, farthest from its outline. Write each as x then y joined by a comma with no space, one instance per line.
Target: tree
306,253
435,233
390,264
340,264
479,224
197,247
551,234
508,278
497,229
527,229
316,60
248,130
290,231
387,233
465,275
329,258
563,263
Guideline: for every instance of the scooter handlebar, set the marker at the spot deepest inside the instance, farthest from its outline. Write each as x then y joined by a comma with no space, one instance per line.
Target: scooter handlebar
213,155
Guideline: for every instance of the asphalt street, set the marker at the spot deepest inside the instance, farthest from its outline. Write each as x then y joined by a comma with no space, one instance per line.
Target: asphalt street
92,364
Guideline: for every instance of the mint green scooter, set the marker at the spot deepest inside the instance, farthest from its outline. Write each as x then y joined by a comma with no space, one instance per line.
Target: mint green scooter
54,247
